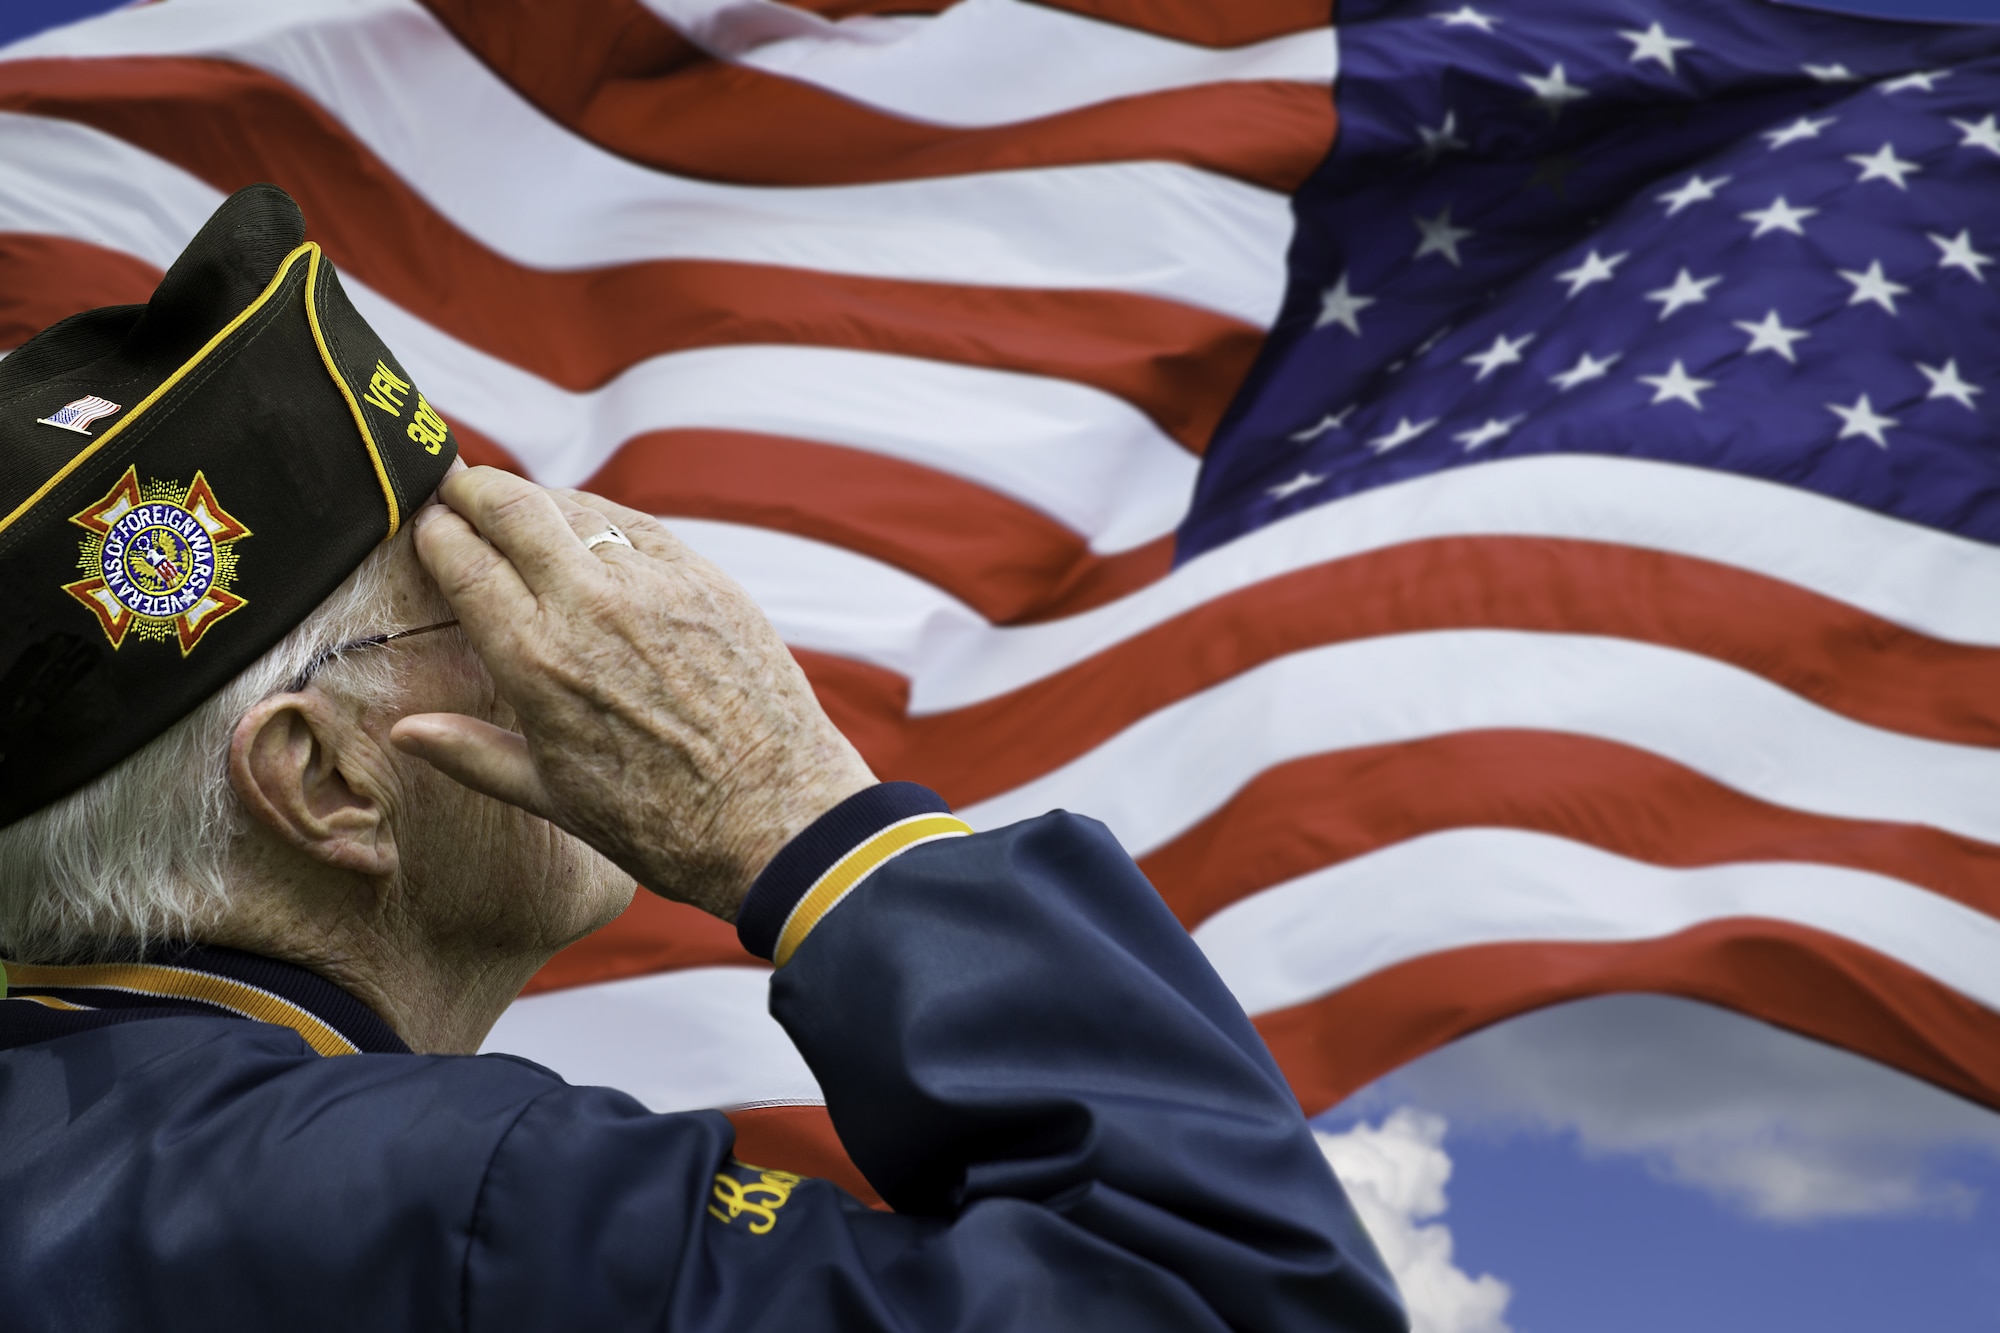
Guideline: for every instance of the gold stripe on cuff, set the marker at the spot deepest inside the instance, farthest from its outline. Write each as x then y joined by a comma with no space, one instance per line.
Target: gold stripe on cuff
843,875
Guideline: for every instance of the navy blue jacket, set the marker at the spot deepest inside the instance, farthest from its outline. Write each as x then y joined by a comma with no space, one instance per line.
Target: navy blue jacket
1021,1048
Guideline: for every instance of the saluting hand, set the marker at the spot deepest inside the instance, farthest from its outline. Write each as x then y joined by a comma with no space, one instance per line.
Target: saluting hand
662,719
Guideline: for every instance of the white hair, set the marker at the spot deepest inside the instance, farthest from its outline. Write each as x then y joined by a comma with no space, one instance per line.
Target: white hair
143,852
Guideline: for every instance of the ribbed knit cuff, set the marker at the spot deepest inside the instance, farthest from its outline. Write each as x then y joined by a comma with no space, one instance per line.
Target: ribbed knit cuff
826,862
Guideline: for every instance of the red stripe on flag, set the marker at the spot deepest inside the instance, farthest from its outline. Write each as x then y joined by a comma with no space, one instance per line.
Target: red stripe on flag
844,9
652,935
1309,814
1205,22
1814,984
1843,659
1007,561
615,74
47,278
233,126
1298,817
1201,22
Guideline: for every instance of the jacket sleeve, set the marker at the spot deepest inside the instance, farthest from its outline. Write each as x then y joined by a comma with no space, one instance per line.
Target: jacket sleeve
1026,1055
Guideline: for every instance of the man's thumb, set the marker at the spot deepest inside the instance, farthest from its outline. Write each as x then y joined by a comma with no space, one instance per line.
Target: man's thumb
479,755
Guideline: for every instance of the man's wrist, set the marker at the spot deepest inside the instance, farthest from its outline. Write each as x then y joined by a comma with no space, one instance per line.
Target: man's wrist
831,857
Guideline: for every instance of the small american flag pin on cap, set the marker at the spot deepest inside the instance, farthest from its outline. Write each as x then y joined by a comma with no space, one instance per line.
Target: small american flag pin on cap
78,415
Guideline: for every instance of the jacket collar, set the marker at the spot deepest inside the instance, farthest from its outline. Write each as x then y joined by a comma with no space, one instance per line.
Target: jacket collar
42,1001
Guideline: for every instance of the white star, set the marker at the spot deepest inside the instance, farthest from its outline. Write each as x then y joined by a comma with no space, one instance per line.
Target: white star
1485,434
1945,383
1927,80
1687,290
1465,16
1554,90
1305,481
1873,286
1339,306
1835,73
1985,135
1884,165
1444,139
1594,268
1771,335
1861,419
1654,44
1403,434
1587,368
1505,351
1696,191
1439,236
1780,216
1805,127
1331,421
1958,253
1677,386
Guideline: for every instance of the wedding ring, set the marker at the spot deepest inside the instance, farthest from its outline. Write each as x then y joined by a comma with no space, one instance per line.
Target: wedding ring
613,535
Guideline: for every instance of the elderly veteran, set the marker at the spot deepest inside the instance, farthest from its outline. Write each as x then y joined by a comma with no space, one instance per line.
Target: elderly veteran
262,807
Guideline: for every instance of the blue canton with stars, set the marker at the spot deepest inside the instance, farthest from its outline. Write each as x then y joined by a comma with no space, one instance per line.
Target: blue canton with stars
1718,233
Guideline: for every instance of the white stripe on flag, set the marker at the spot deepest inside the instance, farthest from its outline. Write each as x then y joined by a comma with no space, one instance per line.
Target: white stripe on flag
1329,929
1174,767
678,1041
963,66
1082,456
513,179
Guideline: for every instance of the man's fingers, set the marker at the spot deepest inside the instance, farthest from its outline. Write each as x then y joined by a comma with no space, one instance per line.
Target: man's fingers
648,534
583,521
484,589
479,755
522,521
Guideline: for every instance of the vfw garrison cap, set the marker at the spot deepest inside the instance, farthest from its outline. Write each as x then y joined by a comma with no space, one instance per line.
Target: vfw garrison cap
182,483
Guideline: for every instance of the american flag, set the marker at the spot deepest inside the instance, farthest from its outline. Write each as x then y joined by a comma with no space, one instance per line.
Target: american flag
79,415
1493,504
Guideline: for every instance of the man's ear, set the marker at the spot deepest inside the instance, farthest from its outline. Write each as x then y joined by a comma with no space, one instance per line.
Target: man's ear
285,769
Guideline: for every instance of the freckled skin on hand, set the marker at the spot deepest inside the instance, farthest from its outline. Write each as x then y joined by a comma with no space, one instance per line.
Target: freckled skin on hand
661,718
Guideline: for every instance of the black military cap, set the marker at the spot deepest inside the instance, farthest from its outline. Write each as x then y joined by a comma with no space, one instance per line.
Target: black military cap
181,483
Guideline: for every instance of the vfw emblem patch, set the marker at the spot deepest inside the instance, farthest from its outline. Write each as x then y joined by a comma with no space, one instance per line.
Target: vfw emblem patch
159,559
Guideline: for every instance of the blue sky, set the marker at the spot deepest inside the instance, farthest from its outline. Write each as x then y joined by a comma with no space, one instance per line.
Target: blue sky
1638,1165
1612,1247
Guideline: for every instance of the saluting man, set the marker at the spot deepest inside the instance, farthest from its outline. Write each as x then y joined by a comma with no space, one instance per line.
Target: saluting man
278,843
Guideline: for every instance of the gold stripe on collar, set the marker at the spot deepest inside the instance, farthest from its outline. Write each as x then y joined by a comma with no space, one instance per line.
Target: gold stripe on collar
181,983
49,1001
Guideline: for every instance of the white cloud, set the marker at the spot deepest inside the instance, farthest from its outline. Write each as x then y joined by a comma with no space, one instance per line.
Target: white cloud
1779,1126
1395,1173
